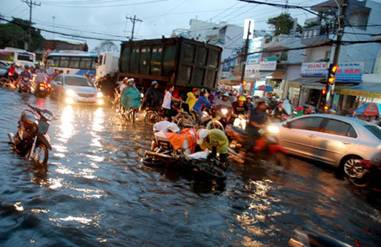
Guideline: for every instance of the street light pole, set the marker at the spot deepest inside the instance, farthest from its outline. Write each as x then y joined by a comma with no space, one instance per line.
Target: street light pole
30,4
246,48
342,5
133,20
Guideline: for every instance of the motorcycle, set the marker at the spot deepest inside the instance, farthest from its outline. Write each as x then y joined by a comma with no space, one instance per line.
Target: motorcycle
208,119
162,154
267,145
24,85
43,89
31,139
365,173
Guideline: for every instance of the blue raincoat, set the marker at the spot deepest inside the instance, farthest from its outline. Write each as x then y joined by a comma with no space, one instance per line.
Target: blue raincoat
130,98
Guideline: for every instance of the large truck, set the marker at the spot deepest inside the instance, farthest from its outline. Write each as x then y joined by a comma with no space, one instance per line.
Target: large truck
178,61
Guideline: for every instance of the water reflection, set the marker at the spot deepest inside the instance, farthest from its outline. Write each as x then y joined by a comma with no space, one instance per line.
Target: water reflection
66,126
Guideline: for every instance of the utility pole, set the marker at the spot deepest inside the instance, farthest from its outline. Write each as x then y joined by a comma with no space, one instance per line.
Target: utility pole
133,20
30,5
342,5
246,48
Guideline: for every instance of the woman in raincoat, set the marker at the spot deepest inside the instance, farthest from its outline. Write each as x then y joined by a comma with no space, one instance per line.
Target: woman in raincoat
130,98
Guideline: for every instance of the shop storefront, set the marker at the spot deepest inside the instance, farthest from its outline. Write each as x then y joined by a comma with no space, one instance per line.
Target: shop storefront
307,89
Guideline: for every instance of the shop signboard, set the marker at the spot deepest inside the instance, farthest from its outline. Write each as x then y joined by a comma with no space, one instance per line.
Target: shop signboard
350,72
347,72
252,69
314,69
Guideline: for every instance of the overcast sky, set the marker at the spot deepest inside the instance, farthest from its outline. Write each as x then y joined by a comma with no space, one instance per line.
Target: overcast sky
106,18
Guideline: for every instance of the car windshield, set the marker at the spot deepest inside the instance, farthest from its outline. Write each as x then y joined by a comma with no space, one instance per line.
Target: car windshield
77,81
374,130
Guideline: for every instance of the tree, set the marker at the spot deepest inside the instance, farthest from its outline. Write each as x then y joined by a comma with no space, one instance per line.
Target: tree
107,46
283,23
15,34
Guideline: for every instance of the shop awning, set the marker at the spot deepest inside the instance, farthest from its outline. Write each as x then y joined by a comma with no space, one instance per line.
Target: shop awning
307,82
367,90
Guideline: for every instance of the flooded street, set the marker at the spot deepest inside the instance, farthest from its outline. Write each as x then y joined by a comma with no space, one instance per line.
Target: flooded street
97,192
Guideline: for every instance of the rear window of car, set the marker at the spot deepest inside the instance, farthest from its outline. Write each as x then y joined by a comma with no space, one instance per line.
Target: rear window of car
77,81
336,127
307,123
374,130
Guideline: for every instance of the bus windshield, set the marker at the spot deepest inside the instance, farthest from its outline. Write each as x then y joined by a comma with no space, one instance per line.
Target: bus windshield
73,62
25,57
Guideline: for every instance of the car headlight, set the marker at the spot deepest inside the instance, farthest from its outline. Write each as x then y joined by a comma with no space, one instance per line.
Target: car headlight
99,95
70,93
100,102
272,129
224,111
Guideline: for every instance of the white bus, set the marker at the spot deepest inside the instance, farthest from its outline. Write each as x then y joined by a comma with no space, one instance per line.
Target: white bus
72,62
17,56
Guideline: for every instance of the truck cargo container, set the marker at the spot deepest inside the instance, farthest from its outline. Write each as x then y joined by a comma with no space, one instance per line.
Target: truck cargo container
179,61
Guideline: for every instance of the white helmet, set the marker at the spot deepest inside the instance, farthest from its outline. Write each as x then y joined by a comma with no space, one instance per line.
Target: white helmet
201,135
173,128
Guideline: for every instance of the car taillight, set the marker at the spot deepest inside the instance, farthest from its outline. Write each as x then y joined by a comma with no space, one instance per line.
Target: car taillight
366,164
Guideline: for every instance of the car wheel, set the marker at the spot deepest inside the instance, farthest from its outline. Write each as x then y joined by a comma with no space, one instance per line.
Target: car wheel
347,166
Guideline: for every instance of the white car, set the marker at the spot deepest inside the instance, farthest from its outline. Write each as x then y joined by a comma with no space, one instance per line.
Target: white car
332,139
76,89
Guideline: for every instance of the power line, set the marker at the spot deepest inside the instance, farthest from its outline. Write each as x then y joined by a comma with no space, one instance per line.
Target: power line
289,6
61,33
328,43
57,4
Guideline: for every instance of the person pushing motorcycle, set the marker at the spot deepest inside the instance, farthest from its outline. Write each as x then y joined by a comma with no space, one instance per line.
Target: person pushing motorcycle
214,140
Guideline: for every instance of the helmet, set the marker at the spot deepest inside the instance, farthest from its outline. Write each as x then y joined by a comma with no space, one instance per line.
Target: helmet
242,98
153,83
131,81
201,135
173,127
261,100
226,94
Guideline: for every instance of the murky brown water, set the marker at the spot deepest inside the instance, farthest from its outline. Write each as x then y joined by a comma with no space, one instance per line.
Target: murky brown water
96,192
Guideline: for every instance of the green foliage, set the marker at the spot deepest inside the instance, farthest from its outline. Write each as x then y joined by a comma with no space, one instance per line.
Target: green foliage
283,23
15,34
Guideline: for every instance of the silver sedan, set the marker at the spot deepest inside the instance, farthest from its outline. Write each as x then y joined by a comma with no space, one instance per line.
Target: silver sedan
332,139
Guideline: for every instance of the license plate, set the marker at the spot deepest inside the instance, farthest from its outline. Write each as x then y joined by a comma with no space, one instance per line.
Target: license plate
86,100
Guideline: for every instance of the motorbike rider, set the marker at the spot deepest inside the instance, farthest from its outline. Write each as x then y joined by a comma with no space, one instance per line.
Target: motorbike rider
257,121
12,73
214,140
25,74
201,103
224,101
41,76
191,98
152,96
169,112
240,107
130,98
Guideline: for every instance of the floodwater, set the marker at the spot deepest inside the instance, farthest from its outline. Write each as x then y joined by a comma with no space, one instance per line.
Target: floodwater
96,192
